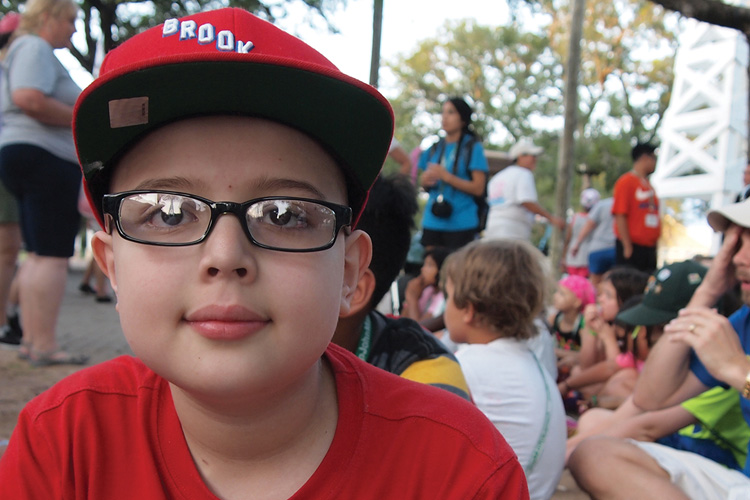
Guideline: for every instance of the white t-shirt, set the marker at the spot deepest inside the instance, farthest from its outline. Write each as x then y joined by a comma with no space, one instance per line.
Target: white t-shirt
506,191
508,384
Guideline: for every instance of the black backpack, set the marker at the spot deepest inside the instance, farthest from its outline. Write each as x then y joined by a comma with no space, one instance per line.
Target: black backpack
483,208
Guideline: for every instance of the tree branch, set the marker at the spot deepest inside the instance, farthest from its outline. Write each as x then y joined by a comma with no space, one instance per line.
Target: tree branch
711,11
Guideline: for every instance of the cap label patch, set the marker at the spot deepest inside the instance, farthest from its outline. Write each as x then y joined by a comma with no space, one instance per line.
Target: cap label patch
206,34
128,112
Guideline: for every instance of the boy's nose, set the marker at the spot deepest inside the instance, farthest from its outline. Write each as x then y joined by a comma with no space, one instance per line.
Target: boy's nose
227,250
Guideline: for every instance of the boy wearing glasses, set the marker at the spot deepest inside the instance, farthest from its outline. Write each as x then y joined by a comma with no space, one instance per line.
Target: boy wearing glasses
228,163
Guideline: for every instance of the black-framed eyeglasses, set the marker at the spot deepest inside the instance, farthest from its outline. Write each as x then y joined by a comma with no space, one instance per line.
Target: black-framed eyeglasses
172,218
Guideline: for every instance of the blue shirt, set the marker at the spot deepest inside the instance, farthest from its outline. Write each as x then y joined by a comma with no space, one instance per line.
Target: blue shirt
464,216
740,321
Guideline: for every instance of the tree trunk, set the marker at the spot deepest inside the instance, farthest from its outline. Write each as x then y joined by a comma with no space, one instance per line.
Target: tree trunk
566,150
377,29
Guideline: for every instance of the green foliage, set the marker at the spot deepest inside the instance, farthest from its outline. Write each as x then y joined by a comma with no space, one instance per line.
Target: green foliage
515,77
505,72
110,22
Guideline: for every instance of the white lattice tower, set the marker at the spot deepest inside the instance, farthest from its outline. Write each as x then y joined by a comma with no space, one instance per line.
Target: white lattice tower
703,137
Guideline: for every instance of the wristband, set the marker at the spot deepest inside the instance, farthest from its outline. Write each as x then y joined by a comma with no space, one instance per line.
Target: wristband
746,388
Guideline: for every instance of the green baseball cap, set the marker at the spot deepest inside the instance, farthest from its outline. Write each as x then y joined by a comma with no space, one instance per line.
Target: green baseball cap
668,290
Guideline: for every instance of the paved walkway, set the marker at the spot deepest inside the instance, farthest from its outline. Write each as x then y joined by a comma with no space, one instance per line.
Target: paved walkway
89,327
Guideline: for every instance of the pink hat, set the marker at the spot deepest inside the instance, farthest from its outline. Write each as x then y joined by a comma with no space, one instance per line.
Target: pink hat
9,23
581,287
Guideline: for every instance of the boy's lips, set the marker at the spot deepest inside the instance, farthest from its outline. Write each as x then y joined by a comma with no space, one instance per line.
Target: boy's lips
225,322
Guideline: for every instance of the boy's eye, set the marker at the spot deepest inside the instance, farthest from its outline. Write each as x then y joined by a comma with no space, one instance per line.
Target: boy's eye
169,212
171,219
281,214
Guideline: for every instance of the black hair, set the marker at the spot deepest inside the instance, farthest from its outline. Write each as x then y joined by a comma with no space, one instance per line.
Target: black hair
438,254
642,148
627,281
464,110
388,218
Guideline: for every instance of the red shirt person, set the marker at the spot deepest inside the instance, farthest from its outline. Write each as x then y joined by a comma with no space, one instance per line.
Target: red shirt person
636,212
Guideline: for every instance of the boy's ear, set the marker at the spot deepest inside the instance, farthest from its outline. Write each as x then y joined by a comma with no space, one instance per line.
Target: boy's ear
468,314
362,294
101,245
358,252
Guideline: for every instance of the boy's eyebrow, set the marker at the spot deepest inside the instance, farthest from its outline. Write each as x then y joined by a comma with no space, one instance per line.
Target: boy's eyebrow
281,184
168,183
265,185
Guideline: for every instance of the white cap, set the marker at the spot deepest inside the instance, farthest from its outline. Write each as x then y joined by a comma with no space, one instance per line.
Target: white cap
736,213
525,147
589,197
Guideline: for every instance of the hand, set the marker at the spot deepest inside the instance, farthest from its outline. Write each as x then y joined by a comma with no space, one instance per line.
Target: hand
627,250
414,289
591,317
721,275
433,174
574,250
558,222
714,341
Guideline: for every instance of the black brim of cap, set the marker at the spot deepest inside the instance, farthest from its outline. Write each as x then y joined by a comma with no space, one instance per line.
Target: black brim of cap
645,315
311,102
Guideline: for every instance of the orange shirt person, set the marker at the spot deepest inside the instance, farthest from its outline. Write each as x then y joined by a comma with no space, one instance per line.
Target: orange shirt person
636,212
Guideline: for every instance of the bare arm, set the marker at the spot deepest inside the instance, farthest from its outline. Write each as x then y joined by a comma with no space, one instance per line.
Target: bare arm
653,425
599,372
536,208
716,343
402,158
43,108
621,221
585,231
474,187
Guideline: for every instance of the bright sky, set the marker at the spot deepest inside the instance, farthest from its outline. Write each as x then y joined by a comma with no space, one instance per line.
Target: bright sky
405,23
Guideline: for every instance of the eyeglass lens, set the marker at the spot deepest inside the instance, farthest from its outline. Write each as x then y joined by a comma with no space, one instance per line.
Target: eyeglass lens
167,218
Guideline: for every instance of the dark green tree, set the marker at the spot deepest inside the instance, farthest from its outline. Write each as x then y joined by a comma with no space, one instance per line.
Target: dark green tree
110,22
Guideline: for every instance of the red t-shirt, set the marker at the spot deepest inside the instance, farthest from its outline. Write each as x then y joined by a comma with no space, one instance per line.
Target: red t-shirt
111,432
636,199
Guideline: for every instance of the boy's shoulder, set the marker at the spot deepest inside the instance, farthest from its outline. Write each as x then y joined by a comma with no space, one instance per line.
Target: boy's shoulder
387,397
122,376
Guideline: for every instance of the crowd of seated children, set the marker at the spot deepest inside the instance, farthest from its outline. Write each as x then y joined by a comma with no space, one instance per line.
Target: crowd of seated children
598,340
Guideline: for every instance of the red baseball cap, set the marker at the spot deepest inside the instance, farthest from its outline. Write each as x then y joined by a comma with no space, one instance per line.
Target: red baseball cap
228,61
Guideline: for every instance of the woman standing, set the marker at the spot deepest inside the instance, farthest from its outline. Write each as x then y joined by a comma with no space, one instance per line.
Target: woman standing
454,173
38,165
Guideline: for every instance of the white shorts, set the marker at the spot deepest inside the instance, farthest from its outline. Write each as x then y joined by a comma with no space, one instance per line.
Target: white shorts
698,477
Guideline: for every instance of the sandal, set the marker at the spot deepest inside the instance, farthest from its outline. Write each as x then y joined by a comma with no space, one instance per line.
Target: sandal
56,357
86,288
24,351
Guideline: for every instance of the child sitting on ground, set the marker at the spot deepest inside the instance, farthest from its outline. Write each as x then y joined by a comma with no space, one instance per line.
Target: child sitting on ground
506,380
397,345
598,341
573,294
230,305
423,298
610,381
